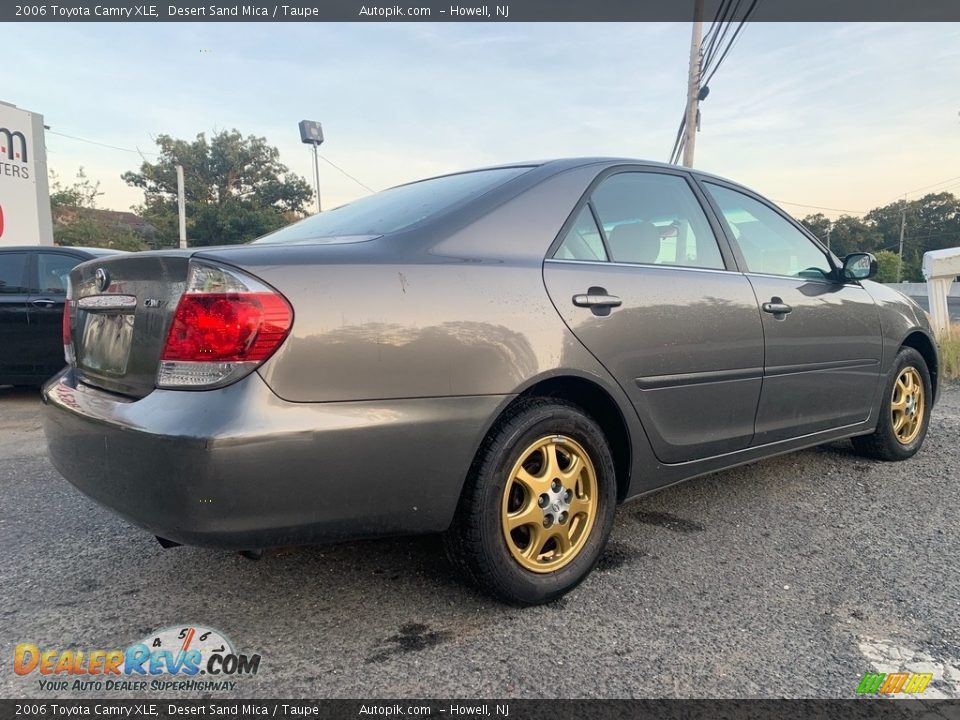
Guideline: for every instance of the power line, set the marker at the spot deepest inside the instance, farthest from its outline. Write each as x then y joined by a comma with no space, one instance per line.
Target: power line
864,212
820,207
718,30
902,197
361,184
716,21
702,54
733,40
102,144
911,192
933,235
678,141
720,36
146,152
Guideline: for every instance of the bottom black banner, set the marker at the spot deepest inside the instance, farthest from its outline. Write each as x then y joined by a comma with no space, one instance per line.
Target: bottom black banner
495,709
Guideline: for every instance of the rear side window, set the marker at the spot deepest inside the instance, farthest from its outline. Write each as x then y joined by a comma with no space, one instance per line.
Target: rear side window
583,241
52,272
13,271
655,219
394,209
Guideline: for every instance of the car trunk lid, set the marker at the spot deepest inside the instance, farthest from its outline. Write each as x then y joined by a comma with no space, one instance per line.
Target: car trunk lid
121,310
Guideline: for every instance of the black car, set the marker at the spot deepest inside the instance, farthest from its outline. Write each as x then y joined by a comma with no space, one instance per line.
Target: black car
33,287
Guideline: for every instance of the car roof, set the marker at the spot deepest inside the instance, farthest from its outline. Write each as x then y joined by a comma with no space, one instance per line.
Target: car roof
565,163
558,165
91,251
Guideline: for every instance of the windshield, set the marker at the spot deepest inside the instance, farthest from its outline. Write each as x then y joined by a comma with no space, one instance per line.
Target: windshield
394,209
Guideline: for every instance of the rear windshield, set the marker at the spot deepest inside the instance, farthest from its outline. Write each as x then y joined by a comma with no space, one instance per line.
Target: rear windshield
393,209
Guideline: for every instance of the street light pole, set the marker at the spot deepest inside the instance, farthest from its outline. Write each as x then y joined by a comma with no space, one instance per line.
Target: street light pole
311,133
181,207
316,173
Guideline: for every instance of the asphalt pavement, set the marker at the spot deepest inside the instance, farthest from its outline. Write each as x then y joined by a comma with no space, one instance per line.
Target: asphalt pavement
791,577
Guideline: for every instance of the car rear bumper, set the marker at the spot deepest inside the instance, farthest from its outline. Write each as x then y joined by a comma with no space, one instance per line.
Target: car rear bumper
240,468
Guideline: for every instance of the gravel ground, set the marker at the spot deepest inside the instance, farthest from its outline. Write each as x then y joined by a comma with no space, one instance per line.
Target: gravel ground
791,577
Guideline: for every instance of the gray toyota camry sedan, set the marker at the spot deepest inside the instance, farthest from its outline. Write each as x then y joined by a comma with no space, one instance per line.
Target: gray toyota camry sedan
501,355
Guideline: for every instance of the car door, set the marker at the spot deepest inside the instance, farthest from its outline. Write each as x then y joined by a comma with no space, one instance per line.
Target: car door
640,278
14,318
822,335
48,292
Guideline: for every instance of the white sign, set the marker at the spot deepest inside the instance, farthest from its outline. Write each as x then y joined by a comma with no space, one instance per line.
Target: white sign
24,191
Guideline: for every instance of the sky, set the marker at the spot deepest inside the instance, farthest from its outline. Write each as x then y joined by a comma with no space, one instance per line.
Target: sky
843,116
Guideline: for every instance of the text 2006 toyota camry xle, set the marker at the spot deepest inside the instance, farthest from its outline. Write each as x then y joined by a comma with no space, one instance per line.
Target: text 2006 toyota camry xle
502,354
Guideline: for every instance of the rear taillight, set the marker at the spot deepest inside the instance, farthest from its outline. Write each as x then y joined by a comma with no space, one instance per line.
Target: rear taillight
226,324
68,353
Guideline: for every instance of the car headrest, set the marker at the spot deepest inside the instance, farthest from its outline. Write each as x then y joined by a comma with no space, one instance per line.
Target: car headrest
637,242
54,282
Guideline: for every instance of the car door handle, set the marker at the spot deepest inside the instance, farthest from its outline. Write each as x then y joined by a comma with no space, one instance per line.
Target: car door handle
597,299
44,302
776,306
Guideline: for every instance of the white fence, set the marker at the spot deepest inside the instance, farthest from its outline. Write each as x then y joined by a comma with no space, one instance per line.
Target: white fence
920,289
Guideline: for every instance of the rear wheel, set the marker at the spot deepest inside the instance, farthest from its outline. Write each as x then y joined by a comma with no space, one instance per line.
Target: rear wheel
539,504
905,414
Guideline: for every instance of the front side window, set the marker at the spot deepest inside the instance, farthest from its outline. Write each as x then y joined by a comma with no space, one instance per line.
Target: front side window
655,219
769,243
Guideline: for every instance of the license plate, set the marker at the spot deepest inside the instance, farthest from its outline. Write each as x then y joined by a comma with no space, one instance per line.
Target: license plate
106,342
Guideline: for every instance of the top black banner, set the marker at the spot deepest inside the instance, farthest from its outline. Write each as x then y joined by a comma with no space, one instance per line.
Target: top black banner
447,11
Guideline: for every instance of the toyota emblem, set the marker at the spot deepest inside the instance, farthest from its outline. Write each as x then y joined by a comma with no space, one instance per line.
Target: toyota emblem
103,279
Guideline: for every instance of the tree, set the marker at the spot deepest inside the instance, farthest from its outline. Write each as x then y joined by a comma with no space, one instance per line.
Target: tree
77,222
887,262
847,233
819,224
82,194
235,188
932,222
851,234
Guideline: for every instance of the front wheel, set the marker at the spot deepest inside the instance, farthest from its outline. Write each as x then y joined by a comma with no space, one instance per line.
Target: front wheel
539,504
905,413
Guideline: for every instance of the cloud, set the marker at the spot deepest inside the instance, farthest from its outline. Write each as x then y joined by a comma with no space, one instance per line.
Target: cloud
836,114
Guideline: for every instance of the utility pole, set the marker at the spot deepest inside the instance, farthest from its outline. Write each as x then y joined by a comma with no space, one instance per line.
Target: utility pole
693,84
829,228
181,207
903,225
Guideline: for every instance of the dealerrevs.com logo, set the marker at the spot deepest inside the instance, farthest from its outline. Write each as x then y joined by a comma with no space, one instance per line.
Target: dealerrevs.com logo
185,658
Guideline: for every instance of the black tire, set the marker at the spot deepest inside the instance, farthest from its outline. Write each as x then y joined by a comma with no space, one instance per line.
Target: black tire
476,544
882,443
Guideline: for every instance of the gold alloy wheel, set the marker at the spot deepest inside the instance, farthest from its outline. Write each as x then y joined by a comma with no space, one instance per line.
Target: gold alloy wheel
549,504
907,405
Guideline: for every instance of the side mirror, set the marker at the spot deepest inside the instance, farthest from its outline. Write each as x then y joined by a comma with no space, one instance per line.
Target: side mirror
859,266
